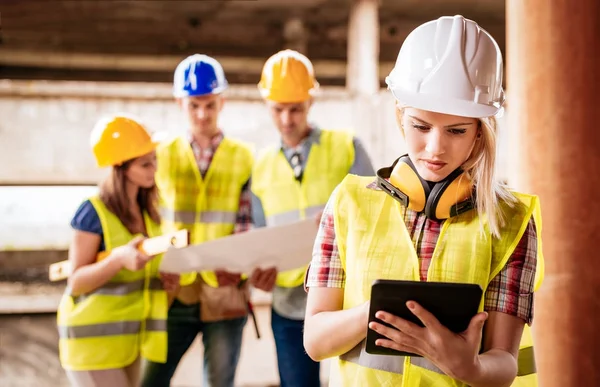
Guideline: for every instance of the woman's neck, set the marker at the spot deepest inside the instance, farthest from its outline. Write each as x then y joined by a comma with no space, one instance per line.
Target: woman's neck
132,191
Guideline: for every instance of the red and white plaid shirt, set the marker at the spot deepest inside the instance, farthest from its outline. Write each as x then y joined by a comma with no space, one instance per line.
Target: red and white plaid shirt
204,156
510,292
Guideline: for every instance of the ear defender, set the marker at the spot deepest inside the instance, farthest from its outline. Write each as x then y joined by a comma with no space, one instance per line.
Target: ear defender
449,197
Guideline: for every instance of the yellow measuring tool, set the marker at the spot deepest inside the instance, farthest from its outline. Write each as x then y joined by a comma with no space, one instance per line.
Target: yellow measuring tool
151,246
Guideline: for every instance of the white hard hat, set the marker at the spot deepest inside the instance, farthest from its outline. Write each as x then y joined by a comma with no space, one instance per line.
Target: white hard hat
449,65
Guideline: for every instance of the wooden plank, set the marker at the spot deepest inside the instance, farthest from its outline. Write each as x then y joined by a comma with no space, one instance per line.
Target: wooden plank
13,262
30,303
131,90
250,65
25,298
21,298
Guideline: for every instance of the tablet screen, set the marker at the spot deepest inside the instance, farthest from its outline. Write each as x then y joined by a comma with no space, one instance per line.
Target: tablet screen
454,305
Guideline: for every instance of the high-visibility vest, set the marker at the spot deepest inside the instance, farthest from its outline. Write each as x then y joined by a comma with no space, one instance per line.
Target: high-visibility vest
462,255
285,200
206,206
121,320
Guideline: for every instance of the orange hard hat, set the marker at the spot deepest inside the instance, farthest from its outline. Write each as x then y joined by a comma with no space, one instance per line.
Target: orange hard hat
287,77
118,138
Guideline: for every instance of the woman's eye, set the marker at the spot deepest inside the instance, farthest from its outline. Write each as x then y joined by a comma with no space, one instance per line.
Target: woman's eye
421,127
458,131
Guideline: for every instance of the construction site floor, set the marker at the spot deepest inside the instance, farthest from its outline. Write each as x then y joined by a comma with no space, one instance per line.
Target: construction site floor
29,354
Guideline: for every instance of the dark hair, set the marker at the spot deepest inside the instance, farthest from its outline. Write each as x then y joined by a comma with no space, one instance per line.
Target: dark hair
114,197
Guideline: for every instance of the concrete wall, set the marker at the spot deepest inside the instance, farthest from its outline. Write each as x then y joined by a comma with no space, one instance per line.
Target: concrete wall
45,126
44,139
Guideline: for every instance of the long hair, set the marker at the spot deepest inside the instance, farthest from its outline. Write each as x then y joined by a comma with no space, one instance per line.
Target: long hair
114,196
480,167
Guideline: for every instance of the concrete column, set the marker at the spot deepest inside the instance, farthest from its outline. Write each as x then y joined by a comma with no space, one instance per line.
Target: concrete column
553,87
296,35
362,76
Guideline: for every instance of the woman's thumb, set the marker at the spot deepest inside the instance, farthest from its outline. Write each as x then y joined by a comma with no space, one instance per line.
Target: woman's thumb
477,322
136,241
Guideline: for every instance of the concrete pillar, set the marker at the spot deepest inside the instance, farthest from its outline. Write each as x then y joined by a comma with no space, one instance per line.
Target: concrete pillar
295,35
553,86
362,76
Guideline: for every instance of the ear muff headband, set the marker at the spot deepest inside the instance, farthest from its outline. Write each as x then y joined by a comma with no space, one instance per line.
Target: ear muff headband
449,197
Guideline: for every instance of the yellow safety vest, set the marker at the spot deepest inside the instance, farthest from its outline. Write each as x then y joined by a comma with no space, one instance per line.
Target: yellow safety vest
126,317
285,200
462,255
208,206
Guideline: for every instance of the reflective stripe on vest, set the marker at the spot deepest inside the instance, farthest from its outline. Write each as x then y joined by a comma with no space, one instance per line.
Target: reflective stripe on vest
189,217
359,356
121,288
293,216
462,255
395,364
285,200
110,329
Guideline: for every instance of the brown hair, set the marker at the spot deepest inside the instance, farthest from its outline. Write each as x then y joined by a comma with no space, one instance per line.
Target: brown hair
114,197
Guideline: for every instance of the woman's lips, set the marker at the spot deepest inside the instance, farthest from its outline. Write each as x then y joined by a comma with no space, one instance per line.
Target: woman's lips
433,165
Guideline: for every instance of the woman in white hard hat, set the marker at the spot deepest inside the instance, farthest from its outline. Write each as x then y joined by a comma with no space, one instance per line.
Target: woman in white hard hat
454,223
114,309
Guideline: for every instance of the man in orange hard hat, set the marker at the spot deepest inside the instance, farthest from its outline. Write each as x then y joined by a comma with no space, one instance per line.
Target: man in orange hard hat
291,181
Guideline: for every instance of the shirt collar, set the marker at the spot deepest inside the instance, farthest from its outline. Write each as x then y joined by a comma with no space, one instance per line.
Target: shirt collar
314,137
214,142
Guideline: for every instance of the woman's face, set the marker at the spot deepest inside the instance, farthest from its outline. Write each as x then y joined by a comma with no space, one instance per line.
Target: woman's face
438,143
141,170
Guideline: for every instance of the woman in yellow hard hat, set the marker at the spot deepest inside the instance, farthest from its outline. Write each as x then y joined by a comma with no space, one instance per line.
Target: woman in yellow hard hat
437,214
114,309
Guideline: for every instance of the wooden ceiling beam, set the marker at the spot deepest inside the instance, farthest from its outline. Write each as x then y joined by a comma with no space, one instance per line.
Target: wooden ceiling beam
239,65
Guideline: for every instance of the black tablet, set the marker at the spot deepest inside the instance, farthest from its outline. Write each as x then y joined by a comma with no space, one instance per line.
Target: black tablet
454,305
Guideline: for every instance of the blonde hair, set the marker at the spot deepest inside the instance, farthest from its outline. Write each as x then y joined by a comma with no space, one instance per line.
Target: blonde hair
480,167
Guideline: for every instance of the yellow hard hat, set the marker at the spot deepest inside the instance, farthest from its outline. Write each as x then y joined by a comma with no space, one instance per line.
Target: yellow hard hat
287,77
118,138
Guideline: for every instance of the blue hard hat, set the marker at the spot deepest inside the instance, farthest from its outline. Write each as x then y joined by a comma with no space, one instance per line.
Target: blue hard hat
198,75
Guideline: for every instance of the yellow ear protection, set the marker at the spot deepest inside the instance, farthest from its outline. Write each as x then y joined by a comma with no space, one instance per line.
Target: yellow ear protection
450,197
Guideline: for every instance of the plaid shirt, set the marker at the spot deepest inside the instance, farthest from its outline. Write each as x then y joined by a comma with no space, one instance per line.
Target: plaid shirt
510,292
204,156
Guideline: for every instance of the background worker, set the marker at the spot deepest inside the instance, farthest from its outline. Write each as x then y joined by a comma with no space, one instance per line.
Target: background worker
459,225
204,181
114,309
292,180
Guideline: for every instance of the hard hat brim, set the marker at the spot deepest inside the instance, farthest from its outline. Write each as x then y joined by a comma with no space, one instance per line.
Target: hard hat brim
183,94
157,138
278,97
444,105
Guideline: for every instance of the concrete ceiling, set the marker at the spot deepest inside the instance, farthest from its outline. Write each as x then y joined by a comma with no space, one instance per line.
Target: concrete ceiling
225,28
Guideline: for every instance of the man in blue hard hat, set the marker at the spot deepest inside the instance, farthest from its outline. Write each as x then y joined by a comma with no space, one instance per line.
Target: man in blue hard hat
203,179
